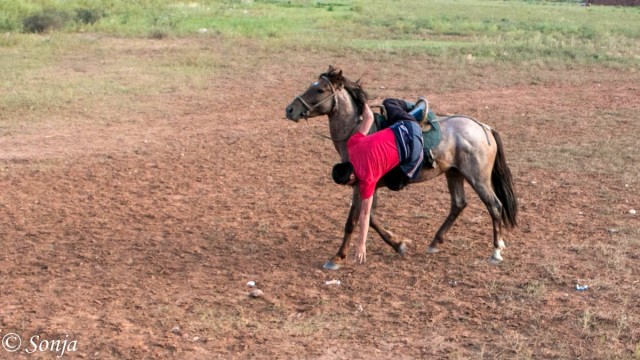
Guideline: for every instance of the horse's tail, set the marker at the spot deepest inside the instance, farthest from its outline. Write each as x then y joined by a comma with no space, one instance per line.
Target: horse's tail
503,185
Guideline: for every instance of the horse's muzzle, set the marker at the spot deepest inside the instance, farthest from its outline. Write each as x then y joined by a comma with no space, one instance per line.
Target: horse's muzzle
289,113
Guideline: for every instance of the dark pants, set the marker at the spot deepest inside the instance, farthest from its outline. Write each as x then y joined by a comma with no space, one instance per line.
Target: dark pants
395,179
397,110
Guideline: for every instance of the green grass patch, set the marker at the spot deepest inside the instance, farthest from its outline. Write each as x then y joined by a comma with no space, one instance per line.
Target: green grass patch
54,73
511,31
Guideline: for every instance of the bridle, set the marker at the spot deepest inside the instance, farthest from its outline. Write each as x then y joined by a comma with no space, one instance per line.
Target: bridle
309,108
333,96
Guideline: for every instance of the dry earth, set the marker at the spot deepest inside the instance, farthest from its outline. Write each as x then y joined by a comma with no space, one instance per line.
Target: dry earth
131,223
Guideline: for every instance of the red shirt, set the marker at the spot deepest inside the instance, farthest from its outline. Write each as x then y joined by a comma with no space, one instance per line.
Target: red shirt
372,156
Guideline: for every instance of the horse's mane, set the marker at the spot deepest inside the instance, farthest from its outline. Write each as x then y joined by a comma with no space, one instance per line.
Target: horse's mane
354,88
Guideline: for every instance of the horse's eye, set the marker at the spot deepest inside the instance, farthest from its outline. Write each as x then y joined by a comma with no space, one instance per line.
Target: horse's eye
320,91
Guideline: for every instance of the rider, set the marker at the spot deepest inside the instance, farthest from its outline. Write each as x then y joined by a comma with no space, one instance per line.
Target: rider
398,147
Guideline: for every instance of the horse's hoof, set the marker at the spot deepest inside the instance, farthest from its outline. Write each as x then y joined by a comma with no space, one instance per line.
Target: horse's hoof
330,265
495,258
402,249
432,250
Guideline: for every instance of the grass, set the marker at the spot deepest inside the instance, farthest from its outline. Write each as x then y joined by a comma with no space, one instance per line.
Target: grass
535,290
509,31
50,73
522,35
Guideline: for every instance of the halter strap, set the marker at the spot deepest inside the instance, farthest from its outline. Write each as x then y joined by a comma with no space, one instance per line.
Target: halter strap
310,107
334,96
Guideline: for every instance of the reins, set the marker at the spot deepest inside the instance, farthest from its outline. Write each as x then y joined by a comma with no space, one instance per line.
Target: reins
355,126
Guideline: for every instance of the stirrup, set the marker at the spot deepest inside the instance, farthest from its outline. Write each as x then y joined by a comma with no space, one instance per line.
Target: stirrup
429,159
420,110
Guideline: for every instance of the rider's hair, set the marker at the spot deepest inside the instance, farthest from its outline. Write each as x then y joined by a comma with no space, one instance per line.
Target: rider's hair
341,172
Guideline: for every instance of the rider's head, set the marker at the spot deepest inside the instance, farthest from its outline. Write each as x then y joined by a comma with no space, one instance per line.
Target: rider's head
343,173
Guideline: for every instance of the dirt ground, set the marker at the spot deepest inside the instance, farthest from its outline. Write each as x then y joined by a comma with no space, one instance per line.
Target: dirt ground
133,229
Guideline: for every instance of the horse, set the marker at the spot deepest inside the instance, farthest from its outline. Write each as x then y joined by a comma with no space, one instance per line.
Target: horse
468,151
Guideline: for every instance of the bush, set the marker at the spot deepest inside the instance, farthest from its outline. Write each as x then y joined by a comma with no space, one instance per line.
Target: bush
49,19
88,16
158,35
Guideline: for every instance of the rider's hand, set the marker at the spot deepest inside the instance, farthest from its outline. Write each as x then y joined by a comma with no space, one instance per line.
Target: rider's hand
361,253
366,111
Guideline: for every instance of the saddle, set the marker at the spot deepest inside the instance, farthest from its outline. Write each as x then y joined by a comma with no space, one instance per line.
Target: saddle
431,133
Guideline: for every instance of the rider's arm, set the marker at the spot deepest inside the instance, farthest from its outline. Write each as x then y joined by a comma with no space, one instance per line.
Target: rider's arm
365,216
367,120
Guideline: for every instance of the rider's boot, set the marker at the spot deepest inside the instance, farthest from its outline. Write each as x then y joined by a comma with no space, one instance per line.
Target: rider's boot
419,110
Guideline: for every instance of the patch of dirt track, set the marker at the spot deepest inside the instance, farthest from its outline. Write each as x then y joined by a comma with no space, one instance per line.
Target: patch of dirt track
137,238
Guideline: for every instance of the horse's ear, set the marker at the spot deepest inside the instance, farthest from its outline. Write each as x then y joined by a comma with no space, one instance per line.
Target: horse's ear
340,79
360,81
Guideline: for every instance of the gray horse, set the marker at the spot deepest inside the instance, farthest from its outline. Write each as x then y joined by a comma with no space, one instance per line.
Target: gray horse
469,150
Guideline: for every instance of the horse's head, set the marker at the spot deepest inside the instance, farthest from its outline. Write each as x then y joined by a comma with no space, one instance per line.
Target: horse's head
319,99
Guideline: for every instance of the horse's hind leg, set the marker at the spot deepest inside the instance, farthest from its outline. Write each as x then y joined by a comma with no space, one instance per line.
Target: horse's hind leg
455,182
490,200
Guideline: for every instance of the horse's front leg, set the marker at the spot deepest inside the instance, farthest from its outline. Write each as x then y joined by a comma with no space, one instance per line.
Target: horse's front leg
398,244
352,220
